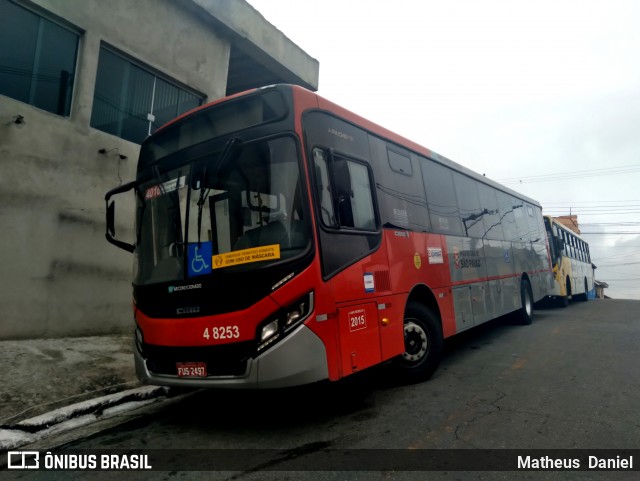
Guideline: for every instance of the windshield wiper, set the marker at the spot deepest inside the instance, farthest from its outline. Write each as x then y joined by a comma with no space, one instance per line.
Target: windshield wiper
229,147
201,200
161,180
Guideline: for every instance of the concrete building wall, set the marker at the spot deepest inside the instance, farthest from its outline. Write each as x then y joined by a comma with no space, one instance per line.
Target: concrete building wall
59,275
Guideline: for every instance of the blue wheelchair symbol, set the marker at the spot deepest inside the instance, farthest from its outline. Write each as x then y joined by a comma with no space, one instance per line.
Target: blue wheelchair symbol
199,257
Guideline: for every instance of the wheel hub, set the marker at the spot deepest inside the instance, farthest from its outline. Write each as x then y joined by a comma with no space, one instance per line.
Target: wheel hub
416,342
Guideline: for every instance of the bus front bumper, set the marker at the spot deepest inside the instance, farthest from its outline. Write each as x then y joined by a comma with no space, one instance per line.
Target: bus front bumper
298,359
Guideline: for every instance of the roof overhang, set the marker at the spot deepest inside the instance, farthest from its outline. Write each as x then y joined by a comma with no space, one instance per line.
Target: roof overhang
260,53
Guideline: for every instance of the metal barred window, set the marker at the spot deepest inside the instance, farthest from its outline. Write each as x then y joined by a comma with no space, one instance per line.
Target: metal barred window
131,101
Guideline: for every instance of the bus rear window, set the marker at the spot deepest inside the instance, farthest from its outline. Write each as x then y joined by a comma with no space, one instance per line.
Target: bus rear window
214,122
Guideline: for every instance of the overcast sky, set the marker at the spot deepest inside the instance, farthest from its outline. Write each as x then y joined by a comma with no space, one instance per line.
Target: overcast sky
543,96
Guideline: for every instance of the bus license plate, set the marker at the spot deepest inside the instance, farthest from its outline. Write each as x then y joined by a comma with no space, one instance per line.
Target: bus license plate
191,369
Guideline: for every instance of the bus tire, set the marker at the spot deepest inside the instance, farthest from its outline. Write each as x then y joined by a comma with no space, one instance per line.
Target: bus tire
423,344
525,313
584,297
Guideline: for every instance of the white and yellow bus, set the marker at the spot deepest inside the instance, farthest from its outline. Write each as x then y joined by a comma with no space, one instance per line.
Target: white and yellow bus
571,261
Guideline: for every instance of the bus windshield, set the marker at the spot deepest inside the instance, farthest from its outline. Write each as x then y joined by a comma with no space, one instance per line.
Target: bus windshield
236,208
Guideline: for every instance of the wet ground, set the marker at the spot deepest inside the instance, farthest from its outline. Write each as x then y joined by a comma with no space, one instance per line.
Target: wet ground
38,376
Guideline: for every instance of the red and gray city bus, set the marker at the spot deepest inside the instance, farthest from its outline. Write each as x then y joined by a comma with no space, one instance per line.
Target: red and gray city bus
281,240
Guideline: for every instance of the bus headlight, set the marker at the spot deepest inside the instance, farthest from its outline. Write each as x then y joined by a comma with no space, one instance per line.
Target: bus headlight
291,317
269,330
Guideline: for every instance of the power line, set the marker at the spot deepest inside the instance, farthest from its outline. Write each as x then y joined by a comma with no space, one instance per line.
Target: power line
593,208
559,213
575,205
570,205
625,255
626,224
590,208
618,265
624,169
626,246
620,280
606,208
596,202
572,175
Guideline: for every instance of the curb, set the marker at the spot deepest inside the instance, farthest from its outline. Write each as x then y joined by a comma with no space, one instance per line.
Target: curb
76,415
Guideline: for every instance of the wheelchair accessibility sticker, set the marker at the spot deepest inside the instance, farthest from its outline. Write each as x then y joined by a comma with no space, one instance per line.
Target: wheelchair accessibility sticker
199,257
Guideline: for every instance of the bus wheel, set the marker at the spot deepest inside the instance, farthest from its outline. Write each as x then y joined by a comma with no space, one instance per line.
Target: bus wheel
584,297
586,291
422,343
525,314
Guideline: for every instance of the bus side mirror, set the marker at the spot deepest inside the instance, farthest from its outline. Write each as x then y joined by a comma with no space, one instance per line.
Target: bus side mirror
111,217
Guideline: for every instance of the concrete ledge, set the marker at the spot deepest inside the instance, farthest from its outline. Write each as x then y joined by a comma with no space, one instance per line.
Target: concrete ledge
261,40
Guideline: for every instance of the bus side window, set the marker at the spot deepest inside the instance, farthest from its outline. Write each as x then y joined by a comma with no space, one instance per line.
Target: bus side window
345,192
534,230
441,198
362,214
492,222
572,248
323,189
471,213
399,162
522,225
507,207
